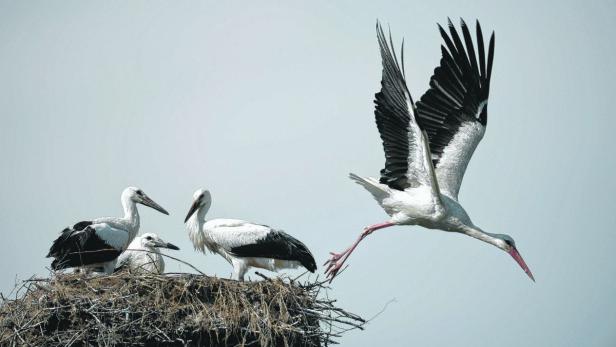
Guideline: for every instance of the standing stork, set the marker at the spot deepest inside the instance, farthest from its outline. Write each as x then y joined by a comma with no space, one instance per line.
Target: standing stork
244,244
143,254
428,146
96,244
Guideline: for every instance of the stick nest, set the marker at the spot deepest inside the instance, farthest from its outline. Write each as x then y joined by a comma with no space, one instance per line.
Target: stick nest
170,310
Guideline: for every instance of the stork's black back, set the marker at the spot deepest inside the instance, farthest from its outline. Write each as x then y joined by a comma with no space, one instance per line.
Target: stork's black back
278,245
79,246
60,243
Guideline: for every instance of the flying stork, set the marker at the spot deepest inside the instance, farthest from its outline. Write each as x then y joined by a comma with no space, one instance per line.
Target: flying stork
96,244
143,254
428,146
244,244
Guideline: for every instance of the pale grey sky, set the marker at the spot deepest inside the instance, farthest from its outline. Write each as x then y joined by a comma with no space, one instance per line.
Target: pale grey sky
269,105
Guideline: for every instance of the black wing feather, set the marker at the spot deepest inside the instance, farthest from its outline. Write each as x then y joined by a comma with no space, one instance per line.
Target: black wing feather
481,51
458,88
470,49
75,248
490,57
56,247
82,225
278,245
392,116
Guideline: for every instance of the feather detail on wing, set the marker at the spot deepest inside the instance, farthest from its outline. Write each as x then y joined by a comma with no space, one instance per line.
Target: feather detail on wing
93,244
395,119
244,239
453,112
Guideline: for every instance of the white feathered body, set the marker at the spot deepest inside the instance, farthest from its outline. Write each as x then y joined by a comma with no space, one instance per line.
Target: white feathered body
414,206
141,258
221,235
117,232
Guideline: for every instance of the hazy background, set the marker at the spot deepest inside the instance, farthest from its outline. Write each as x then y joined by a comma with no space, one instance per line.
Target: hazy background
269,105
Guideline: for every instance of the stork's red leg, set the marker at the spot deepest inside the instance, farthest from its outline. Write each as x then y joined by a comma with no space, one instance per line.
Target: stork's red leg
334,264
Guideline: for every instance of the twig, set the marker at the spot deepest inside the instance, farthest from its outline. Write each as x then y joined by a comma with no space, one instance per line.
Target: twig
382,310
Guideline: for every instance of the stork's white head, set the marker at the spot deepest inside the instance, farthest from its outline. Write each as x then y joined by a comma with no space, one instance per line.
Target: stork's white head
151,240
202,200
507,244
138,196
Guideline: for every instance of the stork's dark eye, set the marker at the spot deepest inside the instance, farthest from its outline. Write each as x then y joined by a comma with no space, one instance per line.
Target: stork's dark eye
149,238
509,242
139,192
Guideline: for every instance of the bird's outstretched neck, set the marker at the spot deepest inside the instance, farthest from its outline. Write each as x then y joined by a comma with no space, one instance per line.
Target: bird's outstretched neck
504,242
476,232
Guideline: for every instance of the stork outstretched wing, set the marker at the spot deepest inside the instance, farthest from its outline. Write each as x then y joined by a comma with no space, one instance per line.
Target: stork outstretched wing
454,111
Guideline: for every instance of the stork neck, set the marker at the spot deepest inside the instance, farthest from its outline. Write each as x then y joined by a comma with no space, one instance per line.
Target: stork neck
479,234
131,215
197,220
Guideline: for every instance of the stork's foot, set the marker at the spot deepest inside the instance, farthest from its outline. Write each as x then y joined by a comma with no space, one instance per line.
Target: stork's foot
335,257
333,270
334,264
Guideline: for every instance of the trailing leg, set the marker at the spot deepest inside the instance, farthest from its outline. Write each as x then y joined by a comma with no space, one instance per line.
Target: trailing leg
334,264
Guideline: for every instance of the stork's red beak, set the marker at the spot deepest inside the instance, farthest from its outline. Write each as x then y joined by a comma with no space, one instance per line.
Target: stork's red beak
518,258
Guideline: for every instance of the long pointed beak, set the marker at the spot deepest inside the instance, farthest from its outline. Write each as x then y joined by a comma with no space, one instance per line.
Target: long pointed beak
150,203
193,208
518,258
169,245
172,246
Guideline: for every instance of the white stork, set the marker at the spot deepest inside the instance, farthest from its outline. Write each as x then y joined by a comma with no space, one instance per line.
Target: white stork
143,254
96,244
244,244
428,146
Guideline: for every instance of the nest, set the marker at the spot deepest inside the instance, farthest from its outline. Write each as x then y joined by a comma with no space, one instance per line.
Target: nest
170,310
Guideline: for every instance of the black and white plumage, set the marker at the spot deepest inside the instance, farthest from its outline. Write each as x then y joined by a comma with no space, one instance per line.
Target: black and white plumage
143,254
428,146
96,244
244,244
454,111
